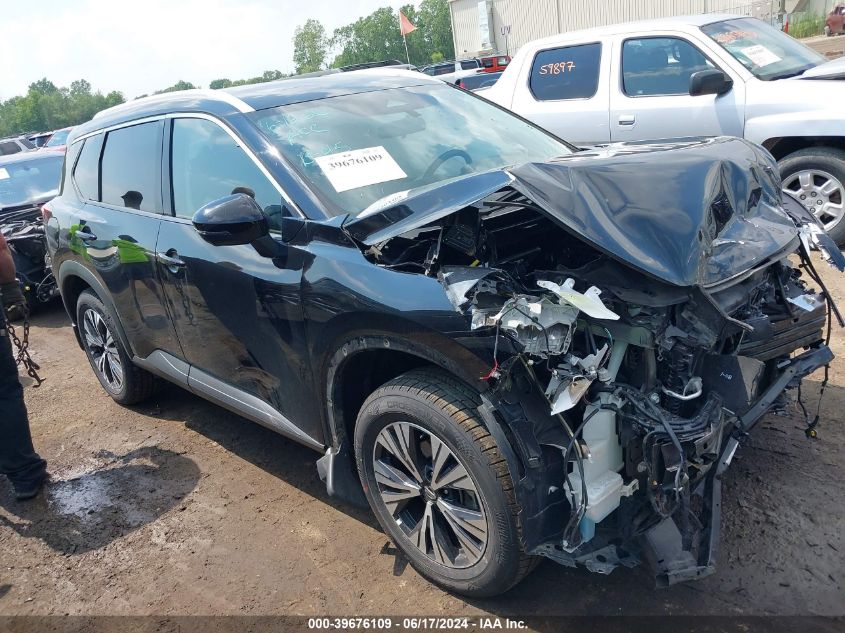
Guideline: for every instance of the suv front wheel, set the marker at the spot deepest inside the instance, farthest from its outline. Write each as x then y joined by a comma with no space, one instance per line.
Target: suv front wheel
439,485
124,381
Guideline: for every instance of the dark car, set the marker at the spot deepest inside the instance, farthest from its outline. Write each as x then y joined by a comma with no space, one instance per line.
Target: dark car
509,348
479,81
27,181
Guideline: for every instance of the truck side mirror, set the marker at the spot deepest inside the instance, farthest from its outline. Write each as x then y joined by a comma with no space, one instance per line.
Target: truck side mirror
709,82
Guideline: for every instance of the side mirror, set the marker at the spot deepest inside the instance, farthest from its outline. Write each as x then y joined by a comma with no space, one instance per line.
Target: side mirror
231,221
709,82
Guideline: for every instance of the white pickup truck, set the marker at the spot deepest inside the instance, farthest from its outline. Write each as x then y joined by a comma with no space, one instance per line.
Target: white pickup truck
703,75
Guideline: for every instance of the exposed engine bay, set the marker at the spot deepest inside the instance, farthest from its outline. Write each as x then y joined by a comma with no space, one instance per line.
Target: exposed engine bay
648,381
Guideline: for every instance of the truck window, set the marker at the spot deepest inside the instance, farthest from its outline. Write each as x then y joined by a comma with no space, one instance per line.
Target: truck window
659,66
569,72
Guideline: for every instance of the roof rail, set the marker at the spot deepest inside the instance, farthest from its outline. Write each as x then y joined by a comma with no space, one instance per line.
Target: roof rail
216,95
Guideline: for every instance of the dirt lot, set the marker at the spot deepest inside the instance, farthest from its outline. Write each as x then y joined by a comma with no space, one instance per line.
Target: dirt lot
179,507
831,47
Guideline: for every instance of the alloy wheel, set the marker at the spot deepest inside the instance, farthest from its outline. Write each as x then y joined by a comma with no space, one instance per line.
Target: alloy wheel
430,494
820,192
103,349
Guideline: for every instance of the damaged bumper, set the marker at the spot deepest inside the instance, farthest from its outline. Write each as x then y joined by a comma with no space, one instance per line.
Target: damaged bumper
673,556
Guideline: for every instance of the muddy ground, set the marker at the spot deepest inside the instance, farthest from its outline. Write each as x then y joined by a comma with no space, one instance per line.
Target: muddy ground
180,507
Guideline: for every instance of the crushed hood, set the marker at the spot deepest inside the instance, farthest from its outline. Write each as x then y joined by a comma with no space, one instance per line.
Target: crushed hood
690,213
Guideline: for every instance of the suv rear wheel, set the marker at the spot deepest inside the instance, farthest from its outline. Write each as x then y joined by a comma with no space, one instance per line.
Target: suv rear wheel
439,485
125,382
815,176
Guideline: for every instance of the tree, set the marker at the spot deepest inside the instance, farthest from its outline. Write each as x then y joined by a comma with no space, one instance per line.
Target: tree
310,46
216,84
179,85
376,37
48,107
435,22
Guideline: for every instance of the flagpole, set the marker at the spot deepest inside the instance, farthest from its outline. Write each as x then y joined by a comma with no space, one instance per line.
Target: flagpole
408,57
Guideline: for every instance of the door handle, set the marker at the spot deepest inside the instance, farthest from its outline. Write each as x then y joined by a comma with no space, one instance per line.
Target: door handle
627,119
85,236
169,259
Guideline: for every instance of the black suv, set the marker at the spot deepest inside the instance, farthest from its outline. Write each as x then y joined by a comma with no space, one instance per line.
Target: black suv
509,348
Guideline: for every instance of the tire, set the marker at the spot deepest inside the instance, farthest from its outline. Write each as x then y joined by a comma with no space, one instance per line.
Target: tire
827,31
93,320
440,413
824,162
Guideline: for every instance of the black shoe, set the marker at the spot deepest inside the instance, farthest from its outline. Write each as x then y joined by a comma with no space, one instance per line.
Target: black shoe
28,490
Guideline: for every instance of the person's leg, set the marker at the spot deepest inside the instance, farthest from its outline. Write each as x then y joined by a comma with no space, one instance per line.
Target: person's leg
18,459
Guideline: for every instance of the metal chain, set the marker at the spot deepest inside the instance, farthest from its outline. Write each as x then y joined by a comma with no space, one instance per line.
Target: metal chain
22,357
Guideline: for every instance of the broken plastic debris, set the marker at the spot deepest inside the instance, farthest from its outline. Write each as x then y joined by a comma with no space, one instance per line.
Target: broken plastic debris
589,302
805,302
569,394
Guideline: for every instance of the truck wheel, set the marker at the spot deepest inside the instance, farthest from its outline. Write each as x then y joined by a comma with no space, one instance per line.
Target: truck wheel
439,485
816,178
124,381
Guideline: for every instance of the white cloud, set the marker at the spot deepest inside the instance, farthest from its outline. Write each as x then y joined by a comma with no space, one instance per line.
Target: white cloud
141,46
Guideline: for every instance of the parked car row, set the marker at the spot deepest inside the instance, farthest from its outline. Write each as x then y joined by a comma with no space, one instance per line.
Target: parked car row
454,71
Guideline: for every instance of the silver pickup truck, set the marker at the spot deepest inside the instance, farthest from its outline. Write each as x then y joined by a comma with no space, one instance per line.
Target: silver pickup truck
703,75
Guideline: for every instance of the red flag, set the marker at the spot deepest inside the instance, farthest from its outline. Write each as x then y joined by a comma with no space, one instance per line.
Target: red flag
405,25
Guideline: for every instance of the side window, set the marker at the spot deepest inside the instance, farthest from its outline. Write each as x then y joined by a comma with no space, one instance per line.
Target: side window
9,147
659,66
444,70
86,171
131,167
570,72
469,65
207,164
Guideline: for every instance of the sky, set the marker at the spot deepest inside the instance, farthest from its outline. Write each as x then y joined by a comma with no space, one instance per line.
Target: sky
138,47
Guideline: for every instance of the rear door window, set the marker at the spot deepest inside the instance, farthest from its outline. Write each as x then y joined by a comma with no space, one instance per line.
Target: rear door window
469,65
654,66
569,72
131,167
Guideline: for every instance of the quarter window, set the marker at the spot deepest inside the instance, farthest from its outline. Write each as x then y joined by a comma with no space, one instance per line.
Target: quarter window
131,167
570,72
86,171
659,66
207,164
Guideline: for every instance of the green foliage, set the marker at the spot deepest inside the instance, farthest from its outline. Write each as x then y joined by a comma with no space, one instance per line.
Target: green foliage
806,25
437,56
310,46
48,107
268,75
179,85
376,37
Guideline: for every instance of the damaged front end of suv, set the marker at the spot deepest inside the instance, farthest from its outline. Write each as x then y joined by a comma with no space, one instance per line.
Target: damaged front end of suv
642,313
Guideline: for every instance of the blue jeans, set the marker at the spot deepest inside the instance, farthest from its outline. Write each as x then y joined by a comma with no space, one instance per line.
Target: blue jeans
18,459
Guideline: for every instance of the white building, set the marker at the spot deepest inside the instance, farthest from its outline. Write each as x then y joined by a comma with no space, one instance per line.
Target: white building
502,26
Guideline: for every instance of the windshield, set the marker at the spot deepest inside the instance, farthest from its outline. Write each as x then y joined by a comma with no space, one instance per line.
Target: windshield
768,53
356,149
31,181
59,138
